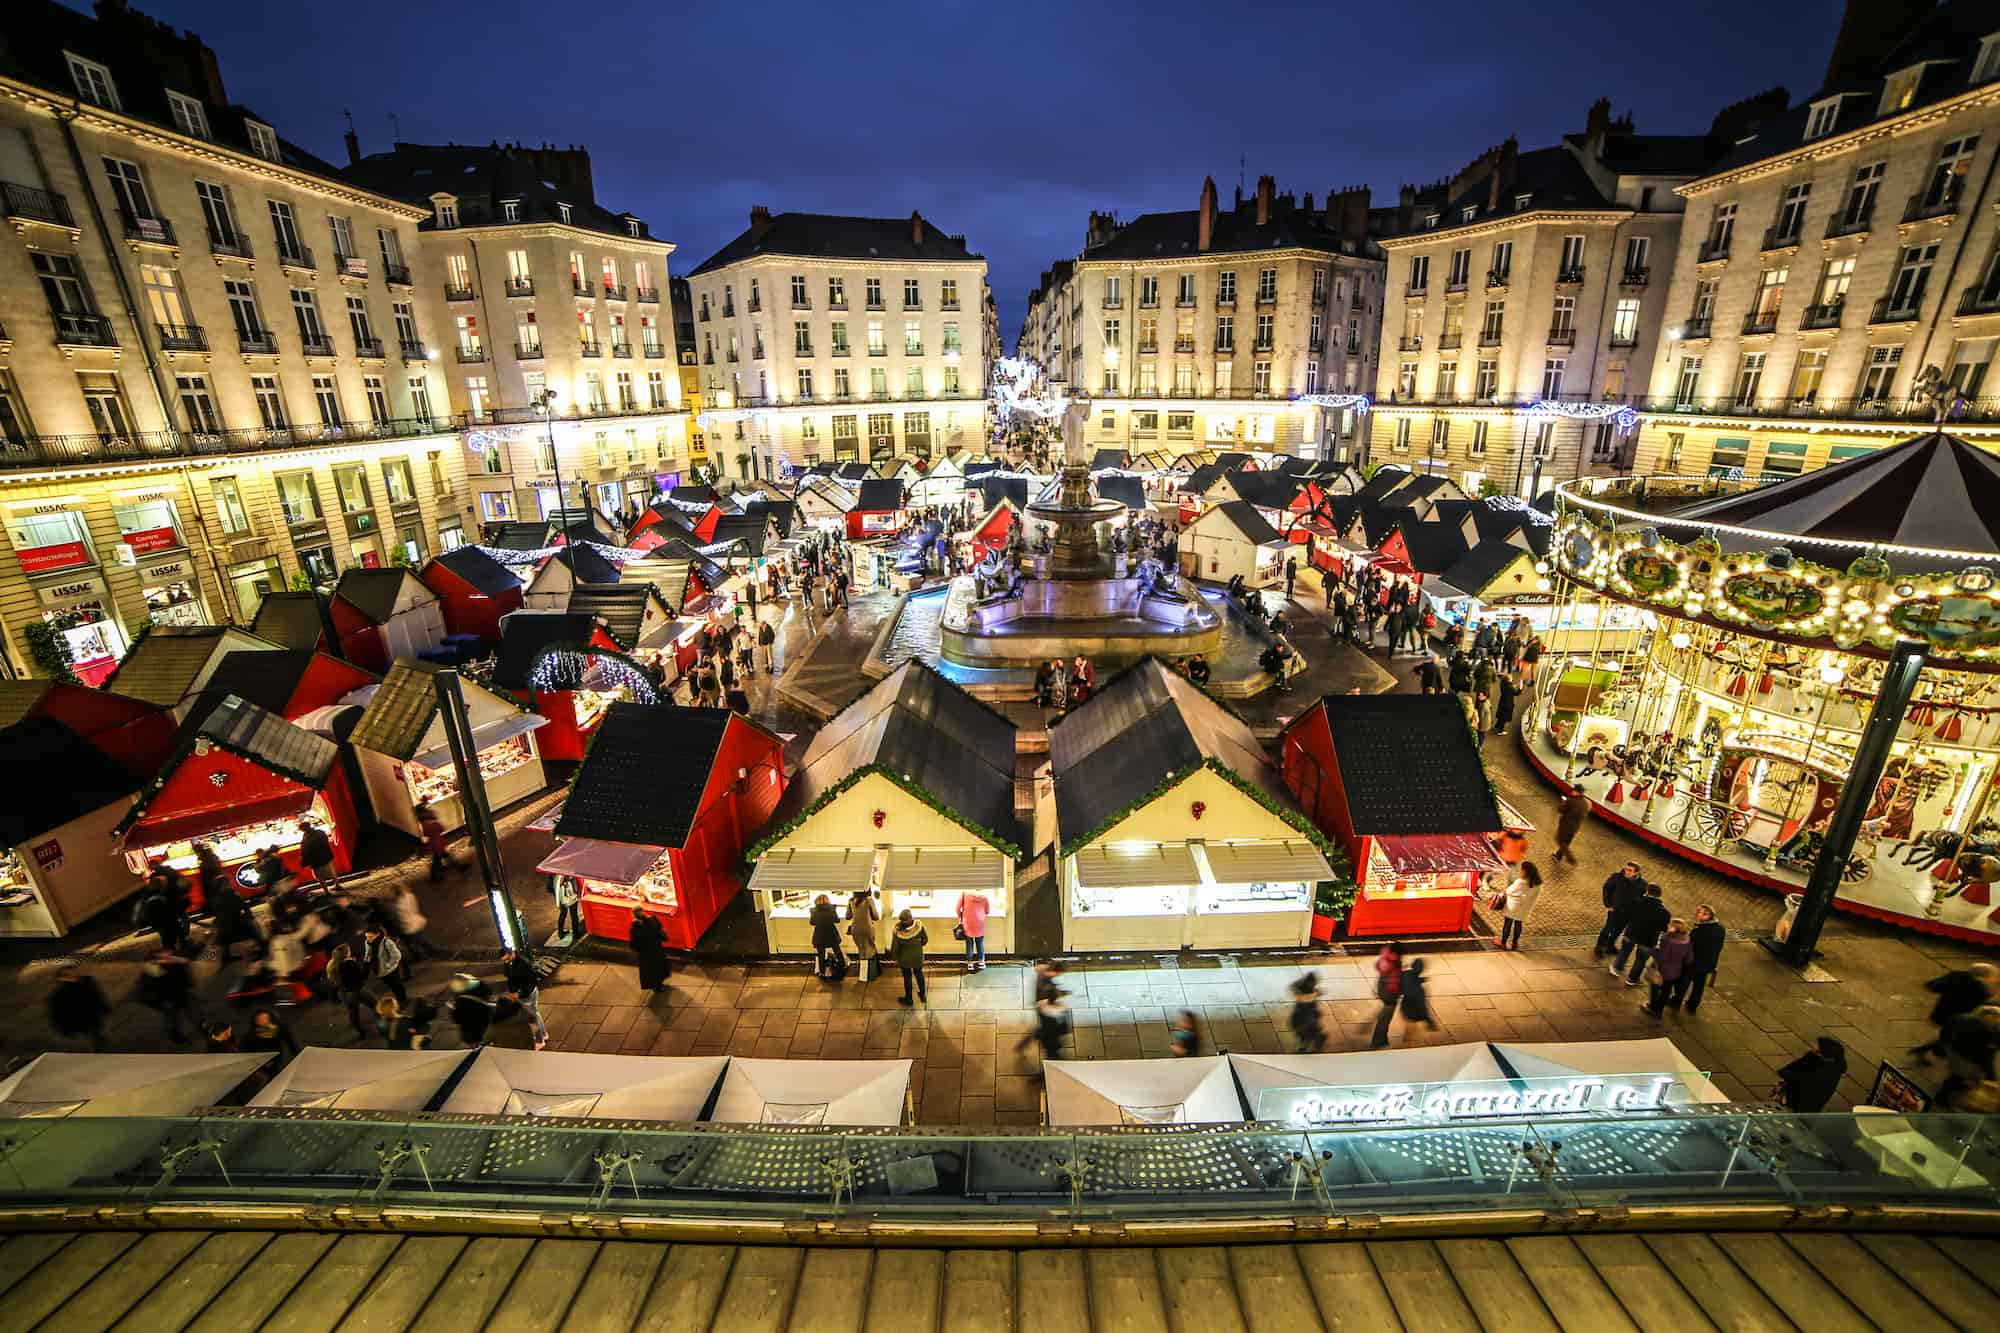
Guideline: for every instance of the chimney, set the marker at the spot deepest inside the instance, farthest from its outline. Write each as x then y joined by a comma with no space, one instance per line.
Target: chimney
916,229
1309,201
1598,122
1867,29
760,221
1205,233
353,148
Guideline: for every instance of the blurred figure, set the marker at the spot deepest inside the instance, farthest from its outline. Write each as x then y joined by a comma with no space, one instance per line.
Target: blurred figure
77,1007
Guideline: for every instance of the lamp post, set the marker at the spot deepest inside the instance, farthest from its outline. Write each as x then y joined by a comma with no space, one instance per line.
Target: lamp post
544,404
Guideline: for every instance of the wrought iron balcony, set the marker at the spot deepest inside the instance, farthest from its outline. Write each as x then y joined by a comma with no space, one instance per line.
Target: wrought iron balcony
413,349
452,293
231,245
295,256
1980,300
257,342
84,330
147,231
369,349
591,349
29,204
1408,343
617,292
654,350
1498,277
527,351
1776,238
471,356
1824,316
521,286
1696,328
1635,277
647,295
1937,202
1447,342
622,350
1562,338
1894,310
1413,292
1760,321
1712,249
396,275
1849,222
183,338
1569,277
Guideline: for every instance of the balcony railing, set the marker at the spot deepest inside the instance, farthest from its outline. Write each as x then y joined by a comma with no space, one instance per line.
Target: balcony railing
1406,343
413,349
654,350
349,266
452,293
183,338
470,356
1980,301
84,330
522,286
647,295
1816,407
1569,277
952,304
1452,285
582,288
591,349
1562,338
1226,302
838,349
1149,347
1447,342
231,245
1183,344
1848,222
1630,338
527,351
1889,310
295,256
622,350
1714,248
257,342
1781,238
1824,316
1933,203
1698,327
369,349
1760,321
147,230
42,450
1498,277
30,204
316,344
728,309
1267,298
617,292
1414,292
396,275
1489,337
1261,345
1635,277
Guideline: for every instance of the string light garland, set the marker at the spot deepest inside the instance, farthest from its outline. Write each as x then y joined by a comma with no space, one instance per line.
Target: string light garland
1620,415
1358,401
561,667
1019,389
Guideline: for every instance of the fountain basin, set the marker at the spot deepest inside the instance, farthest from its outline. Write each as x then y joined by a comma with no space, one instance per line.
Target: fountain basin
1108,620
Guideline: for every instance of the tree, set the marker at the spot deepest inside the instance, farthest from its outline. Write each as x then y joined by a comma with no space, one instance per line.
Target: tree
49,651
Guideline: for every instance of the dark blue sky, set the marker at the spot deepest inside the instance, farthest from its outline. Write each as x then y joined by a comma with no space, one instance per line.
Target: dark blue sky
1006,122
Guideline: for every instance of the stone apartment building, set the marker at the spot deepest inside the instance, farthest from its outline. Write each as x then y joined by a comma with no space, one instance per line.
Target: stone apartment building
1198,329
681,299
826,338
1536,277
1833,255
541,291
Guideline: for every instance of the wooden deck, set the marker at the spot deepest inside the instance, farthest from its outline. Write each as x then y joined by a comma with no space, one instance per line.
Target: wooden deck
1677,1282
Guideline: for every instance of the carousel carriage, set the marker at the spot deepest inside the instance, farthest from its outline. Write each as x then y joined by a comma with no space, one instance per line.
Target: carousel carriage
1768,797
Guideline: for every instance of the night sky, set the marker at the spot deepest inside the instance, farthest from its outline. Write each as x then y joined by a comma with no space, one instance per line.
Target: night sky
1006,123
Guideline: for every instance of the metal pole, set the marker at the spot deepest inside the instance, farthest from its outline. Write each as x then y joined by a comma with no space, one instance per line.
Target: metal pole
478,814
1871,756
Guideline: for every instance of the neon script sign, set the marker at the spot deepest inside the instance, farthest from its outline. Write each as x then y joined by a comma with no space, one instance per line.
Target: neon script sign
1310,1108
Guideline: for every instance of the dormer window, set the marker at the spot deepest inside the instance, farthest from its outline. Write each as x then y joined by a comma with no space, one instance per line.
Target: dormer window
189,116
93,81
631,226
563,211
1987,66
447,212
263,139
1522,201
1899,90
1470,212
1431,220
1820,123
510,210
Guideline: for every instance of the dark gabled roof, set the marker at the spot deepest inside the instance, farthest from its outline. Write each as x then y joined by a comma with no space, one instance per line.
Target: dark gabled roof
586,566
266,679
1429,485
1654,154
995,489
1379,520
293,620
784,513
1433,547
483,178
1198,481
883,494
1163,235
1267,490
1386,479
520,537
926,731
527,633
257,734
1229,460
481,571
827,236
1243,516
643,778
400,714
1126,490
161,665
373,592
751,530
1408,764
707,570
1112,458
699,494
75,778
1476,568
1144,726
854,471
621,606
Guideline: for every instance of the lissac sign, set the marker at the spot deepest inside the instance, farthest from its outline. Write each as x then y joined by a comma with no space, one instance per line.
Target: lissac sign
1310,1108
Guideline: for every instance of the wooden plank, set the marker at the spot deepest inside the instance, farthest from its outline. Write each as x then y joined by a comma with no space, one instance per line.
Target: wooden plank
1652,1296
248,1301
1123,1287
44,1291
1491,1280
1951,1291
540,1294
615,1289
108,1296
1869,1287
1420,1286
194,1282
474,1286
763,1283
1272,1291
1568,1285
833,1292
903,1293
1346,1289
1052,1291
336,1284
1790,1282
23,1254
1977,1255
1198,1290
405,1285
689,1290
1728,1297
981,1293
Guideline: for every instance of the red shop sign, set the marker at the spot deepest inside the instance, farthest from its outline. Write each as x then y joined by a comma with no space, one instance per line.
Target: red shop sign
48,855
148,540
62,555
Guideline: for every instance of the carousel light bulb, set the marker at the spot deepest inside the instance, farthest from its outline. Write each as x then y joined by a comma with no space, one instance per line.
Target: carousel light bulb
1680,639
1832,673
1541,585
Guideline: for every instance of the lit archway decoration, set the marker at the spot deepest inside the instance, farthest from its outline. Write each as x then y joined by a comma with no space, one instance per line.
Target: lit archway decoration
563,666
1358,401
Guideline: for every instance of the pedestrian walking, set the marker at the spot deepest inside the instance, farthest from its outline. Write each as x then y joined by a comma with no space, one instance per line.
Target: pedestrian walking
77,1007
1388,991
828,960
267,1034
906,947
1308,1019
524,987
649,945
1641,935
431,829
348,974
1430,675
1623,889
1416,1005
1705,955
1184,1034
1052,1023
767,647
157,911
1291,575
862,916
398,1033
220,1039
1505,693
315,852
1667,973
972,910
1569,822
1959,991
1517,902
406,919
167,985
384,960
569,906
1808,1083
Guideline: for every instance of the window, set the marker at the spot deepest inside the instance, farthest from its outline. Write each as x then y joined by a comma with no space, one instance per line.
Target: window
1402,443
656,390
1625,322
1543,445
1225,333
1440,435
873,292
1184,293
270,402
1638,251
1749,378
420,398
1183,380
1572,258
233,518
1792,212
913,382
470,348
593,391
877,340
1820,123
190,118
1487,385
1260,378
264,143
1861,191
1552,377
1721,227
842,387
1111,333
93,82
1264,332
1406,380
839,336
1149,291
609,273
1704,306
878,382
913,337
298,498
1899,90
343,238
563,212
836,293
1947,177
1149,333
1833,282
1491,323
305,311
1503,262
197,404
447,213
1730,455
913,296
1880,378
527,335
164,299
327,398
1562,318
378,400
128,187
1807,373
1969,360
216,212
1906,291
800,300
802,339
1113,293
1225,289
1267,284
1460,270
1477,446
1688,382
360,325
948,293
285,228
1420,275
951,343
1447,386
1111,379
1770,296
627,400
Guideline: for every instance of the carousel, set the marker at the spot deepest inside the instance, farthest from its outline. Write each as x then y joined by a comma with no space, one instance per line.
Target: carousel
1727,728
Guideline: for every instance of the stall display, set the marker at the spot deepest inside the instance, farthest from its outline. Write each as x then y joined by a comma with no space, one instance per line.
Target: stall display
56,1084
1181,1091
814,1092
1398,782
405,757
355,1079
53,872
1174,828
567,1084
1725,730
523,670
910,791
381,615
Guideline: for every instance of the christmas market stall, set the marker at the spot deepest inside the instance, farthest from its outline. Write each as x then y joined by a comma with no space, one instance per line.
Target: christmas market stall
296,620
908,791
135,733
823,504
66,798
659,814
1397,781
1174,1091
353,1079
291,684
535,666
169,665
877,511
943,484
573,567
1727,727
474,590
406,758
631,613
1174,828
991,533
1232,540
814,1092
239,778
384,614
574,1084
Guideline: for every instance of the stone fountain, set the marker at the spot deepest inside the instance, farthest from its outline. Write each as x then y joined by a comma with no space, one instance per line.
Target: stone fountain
1082,592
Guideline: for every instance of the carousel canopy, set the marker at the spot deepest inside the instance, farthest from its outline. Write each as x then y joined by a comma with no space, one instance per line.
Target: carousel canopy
1936,491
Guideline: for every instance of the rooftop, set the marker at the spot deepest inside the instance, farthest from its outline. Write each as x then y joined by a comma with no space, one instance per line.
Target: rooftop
827,236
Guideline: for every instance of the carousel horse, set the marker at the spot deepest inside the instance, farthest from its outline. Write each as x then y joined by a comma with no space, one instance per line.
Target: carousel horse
1928,848
1973,880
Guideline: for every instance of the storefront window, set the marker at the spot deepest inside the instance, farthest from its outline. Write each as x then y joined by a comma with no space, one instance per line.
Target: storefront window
317,561
250,584
175,603
1289,896
410,540
451,536
396,481
93,637
149,525
229,509
352,485
45,543
496,506
298,497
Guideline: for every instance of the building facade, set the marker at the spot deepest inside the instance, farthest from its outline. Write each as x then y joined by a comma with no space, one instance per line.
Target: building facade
838,338
1533,279
1834,256
1197,330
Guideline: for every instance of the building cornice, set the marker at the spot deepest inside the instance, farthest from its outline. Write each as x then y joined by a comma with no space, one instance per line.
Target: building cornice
98,118
1214,256
1887,427
1602,217
548,230
1838,145
822,262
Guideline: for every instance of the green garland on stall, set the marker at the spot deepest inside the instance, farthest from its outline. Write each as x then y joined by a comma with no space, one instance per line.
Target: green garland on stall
991,837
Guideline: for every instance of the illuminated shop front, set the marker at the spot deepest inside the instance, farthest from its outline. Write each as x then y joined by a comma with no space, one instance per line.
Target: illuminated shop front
52,544
406,760
1726,732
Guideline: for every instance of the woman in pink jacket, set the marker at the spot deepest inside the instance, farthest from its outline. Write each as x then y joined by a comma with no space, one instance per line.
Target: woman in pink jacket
972,910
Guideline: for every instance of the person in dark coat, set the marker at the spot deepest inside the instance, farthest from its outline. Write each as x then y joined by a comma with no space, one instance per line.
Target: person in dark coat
157,912
1052,1023
1416,1004
266,1033
472,1008
1308,1020
524,987
167,984
1707,939
432,829
649,942
906,951
1642,934
77,1007
1958,992
1623,889
1503,704
315,852
1808,1083
825,921
347,972
1430,676
1569,822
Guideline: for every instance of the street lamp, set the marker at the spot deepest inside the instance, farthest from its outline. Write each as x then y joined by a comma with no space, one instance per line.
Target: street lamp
544,404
